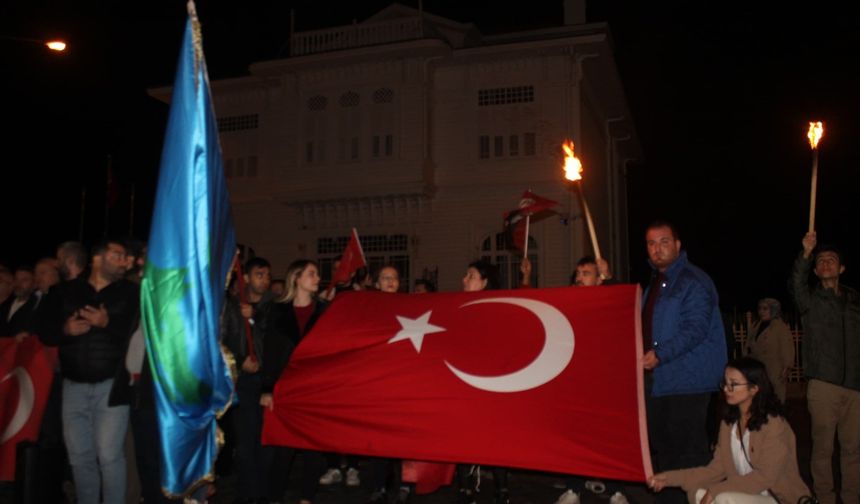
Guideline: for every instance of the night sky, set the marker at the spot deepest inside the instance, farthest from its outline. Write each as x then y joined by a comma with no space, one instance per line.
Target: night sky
721,94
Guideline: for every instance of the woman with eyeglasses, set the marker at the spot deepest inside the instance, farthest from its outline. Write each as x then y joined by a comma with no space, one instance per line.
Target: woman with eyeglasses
755,461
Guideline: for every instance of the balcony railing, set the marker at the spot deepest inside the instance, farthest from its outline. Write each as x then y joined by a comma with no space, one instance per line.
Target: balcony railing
359,35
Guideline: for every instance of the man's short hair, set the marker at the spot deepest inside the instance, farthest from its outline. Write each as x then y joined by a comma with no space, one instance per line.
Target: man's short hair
74,250
26,268
133,246
587,260
660,223
830,248
104,244
426,283
256,262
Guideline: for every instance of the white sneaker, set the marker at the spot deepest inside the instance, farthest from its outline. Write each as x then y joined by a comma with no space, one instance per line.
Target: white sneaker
352,479
569,497
618,498
331,477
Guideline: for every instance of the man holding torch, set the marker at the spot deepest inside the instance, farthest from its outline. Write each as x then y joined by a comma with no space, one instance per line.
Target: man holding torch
830,312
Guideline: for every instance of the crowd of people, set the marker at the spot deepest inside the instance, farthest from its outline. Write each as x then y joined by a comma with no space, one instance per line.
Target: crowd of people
87,305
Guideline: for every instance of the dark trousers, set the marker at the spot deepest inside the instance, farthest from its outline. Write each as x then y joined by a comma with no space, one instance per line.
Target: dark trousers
678,435
379,469
247,428
277,461
466,478
53,461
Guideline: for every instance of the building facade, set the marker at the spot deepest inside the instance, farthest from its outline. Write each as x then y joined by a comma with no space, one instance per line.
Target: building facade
420,132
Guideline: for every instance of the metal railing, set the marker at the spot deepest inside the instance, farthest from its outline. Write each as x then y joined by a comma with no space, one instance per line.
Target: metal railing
359,35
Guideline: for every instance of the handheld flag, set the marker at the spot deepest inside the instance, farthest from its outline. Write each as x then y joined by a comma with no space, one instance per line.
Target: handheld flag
351,259
26,373
516,221
191,248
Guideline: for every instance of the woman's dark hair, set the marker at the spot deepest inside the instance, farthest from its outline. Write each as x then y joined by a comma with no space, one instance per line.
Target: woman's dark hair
764,404
488,272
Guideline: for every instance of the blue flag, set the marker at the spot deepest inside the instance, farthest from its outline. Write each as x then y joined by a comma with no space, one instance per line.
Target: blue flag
190,250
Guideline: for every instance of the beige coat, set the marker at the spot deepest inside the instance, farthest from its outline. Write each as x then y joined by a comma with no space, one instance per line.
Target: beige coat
775,349
772,456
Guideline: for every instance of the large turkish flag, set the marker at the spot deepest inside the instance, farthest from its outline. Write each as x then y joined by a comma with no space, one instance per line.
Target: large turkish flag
546,379
26,372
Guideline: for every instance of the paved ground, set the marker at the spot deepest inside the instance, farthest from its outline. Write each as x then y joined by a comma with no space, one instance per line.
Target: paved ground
526,488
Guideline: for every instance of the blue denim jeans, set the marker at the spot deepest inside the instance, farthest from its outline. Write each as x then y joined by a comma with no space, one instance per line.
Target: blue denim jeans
95,434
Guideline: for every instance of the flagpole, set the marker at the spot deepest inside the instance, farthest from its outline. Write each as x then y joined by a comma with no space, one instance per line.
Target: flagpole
131,213
526,246
83,210
590,222
107,195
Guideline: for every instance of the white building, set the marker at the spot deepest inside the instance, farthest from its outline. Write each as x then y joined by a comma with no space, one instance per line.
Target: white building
421,132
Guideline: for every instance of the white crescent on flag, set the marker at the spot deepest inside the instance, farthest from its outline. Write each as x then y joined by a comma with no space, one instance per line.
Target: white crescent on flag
552,360
26,399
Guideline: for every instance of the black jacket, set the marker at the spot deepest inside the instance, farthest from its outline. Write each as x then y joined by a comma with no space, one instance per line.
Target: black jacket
281,339
21,320
233,333
96,355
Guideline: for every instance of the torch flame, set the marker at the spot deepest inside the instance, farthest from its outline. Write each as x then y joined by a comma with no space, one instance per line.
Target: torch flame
56,45
816,131
572,165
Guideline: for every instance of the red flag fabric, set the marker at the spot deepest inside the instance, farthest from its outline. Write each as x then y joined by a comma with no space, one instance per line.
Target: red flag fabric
351,259
26,372
427,476
515,220
545,379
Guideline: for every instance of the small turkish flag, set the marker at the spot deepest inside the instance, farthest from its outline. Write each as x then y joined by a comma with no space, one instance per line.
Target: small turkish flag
26,372
546,379
351,259
515,220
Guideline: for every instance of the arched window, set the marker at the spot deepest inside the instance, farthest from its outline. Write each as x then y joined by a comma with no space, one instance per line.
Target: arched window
498,250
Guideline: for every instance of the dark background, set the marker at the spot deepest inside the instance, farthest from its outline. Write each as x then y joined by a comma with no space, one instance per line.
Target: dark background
721,94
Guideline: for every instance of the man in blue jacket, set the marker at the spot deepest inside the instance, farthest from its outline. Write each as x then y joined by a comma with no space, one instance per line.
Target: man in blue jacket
685,353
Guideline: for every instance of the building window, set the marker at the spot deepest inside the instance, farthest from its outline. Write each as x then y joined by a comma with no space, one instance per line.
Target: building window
529,144
228,168
383,95
309,152
317,103
389,145
240,167
252,166
237,123
484,146
506,95
499,146
497,250
514,145
375,146
353,149
379,251
350,99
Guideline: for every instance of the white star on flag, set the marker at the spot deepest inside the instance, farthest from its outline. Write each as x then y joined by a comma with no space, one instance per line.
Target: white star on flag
415,330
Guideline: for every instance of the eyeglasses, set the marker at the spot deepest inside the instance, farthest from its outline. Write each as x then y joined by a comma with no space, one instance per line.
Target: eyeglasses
730,386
